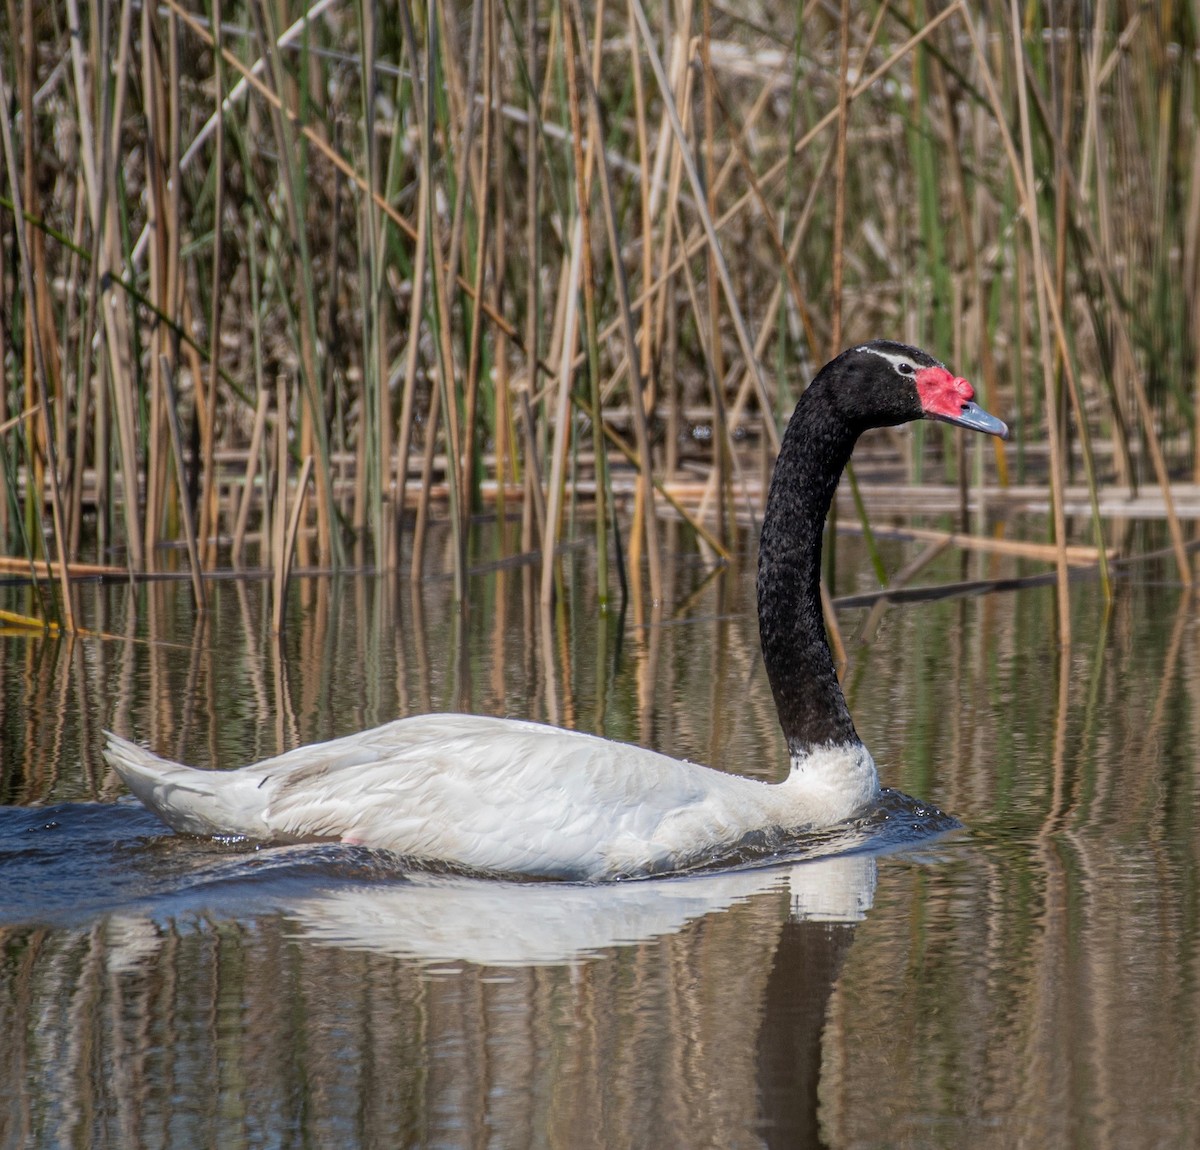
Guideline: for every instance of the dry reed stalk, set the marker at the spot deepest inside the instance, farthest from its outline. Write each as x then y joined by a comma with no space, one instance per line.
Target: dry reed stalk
42,569
446,377
680,85
533,472
466,187
39,360
412,350
242,518
1191,281
1077,556
289,544
417,568
73,370
715,358
502,406
772,173
422,80
1085,437
835,326
282,126
1027,192
656,293
646,218
839,185
440,49
113,305
376,432
26,622
583,167
306,441
209,512
33,351
276,102
970,249
17,420
81,360
161,226
279,513
629,330
661,488
533,309
1060,132
771,224
1096,142
1023,180
562,422
724,455
788,259
1126,349
710,227
279,510
175,306
837,645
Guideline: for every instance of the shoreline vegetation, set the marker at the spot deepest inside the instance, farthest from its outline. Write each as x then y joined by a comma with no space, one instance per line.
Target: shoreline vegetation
311,280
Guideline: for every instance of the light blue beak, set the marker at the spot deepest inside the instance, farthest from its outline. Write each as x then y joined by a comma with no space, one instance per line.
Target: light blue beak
974,417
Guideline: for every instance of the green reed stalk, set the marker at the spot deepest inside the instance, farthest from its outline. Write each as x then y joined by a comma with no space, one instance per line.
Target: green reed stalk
481,44
189,528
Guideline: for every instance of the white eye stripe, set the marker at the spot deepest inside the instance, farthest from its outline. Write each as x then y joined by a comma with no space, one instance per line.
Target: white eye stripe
898,361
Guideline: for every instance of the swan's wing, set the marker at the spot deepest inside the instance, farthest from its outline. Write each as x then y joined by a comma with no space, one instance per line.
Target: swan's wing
497,794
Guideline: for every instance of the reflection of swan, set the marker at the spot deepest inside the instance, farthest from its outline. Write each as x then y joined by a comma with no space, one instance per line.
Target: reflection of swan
512,797
445,918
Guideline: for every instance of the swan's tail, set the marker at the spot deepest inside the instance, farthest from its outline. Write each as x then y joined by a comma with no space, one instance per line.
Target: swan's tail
190,800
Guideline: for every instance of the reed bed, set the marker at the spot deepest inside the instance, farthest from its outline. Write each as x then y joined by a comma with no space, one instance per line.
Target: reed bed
282,280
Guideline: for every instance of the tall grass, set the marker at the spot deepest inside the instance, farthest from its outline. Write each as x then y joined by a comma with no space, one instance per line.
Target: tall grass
530,255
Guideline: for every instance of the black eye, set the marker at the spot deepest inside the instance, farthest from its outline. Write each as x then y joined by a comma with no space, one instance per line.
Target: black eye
906,369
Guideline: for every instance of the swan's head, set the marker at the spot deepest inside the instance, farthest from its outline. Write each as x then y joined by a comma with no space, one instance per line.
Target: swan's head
884,383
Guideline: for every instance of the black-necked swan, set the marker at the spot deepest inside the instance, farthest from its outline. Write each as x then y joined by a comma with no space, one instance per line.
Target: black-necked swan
513,797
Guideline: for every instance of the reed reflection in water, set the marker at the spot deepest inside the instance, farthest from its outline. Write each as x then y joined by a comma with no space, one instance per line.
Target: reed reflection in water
1029,980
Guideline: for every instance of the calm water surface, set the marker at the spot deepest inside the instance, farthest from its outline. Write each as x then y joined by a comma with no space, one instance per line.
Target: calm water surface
1030,979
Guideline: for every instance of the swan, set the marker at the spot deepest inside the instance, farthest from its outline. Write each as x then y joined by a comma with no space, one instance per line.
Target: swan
510,797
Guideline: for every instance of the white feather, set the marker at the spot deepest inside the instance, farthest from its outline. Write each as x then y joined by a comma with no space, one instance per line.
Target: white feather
502,795
894,358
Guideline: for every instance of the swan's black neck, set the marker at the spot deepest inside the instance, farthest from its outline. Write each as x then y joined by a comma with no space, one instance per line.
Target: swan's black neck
815,449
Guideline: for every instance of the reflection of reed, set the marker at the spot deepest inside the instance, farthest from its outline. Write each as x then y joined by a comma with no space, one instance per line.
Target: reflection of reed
1044,980
1039,984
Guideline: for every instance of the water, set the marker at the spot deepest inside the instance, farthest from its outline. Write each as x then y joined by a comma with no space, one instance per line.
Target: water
1029,978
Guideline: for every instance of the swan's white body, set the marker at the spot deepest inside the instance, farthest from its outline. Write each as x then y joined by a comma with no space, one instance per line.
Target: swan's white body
504,796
